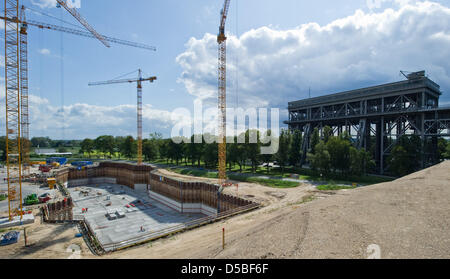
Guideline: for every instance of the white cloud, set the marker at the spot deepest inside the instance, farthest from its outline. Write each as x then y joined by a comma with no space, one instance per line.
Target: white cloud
45,51
52,3
83,120
44,3
277,66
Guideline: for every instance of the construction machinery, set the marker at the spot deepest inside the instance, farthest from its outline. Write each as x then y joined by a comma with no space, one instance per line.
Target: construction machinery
51,182
139,82
31,200
222,41
16,90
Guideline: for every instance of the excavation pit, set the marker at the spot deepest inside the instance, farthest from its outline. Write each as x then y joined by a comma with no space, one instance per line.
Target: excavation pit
133,217
122,205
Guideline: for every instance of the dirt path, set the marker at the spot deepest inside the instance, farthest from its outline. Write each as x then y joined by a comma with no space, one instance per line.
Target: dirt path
46,241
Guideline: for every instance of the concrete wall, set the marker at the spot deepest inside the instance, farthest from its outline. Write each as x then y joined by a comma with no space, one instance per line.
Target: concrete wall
182,196
117,173
183,207
194,196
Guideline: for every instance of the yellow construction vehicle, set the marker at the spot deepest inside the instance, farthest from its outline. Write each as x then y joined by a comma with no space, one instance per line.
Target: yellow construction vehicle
51,182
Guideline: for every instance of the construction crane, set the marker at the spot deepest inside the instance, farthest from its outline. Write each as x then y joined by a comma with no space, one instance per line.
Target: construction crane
222,41
13,110
139,82
16,92
23,47
81,20
25,122
47,26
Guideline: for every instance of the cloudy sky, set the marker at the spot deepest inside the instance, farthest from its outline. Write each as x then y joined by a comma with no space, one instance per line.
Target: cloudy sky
277,50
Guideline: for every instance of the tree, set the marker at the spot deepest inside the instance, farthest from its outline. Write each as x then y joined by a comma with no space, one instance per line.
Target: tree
105,144
406,155
119,143
315,138
282,155
129,147
339,149
321,159
194,150
295,148
175,150
360,161
398,161
164,149
327,133
447,152
42,142
442,148
149,149
267,158
253,150
210,152
87,146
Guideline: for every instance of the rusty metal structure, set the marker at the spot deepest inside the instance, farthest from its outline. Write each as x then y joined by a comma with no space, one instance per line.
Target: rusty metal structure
376,117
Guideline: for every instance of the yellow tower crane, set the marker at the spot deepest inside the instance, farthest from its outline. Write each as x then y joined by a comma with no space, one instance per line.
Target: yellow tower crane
139,82
222,41
16,90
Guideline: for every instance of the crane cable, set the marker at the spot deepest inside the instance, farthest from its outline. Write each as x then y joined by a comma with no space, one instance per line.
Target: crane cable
54,17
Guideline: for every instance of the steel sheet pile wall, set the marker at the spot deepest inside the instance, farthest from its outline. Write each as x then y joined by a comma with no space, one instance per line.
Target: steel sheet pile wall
123,173
194,192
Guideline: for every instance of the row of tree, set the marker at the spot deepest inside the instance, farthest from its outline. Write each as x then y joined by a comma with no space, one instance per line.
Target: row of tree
327,153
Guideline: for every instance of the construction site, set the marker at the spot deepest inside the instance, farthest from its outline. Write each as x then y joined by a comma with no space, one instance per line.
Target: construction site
109,209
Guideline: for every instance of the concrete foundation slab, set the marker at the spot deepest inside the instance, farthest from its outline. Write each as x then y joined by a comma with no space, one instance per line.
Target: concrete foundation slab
142,215
26,219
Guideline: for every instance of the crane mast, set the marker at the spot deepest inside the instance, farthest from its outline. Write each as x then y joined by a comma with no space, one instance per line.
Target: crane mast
25,125
222,94
139,82
16,90
139,119
13,109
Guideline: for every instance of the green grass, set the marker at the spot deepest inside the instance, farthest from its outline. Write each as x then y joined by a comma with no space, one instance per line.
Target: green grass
3,197
275,183
333,187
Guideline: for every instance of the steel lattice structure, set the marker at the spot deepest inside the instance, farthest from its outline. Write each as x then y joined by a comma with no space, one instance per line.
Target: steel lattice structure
376,117
25,122
139,81
222,94
13,112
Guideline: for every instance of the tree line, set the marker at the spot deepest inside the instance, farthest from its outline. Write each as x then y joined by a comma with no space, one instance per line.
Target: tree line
327,155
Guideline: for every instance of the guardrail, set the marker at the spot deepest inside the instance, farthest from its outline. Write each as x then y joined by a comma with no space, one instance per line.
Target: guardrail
178,228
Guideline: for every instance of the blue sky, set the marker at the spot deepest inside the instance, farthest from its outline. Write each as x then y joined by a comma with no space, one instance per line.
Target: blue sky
266,40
